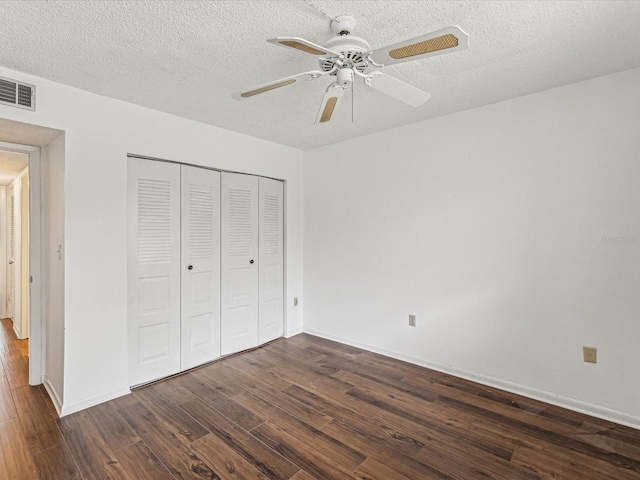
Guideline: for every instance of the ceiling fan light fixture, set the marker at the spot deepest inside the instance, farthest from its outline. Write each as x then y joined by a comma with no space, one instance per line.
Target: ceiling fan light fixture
329,107
428,46
267,88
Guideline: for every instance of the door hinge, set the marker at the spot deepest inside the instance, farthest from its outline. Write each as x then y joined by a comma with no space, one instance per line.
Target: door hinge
31,278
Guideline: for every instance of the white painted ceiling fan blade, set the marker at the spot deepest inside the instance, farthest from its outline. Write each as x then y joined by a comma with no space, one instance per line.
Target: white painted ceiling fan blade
302,45
330,102
397,89
447,40
283,82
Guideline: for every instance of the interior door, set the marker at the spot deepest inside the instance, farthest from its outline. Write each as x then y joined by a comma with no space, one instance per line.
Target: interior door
200,305
154,270
271,271
239,262
11,252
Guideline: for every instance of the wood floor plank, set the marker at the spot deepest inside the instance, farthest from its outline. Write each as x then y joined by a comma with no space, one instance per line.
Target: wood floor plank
115,431
555,462
302,475
259,371
307,378
94,457
550,436
390,386
473,467
264,459
16,369
7,407
337,405
47,400
306,457
38,424
225,460
429,429
15,462
223,404
373,439
372,469
215,376
341,453
179,459
140,463
171,391
266,409
56,463
174,419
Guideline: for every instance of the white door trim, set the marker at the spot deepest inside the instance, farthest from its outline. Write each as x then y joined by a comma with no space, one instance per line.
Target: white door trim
36,300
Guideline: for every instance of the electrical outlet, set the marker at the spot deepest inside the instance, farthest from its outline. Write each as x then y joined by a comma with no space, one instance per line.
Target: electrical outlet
589,354
412,320
295,301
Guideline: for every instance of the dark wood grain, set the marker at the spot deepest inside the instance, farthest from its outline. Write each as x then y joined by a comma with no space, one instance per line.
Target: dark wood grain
37,422
304,408
179,459
260,456
141,463
15,461
56,462
94,457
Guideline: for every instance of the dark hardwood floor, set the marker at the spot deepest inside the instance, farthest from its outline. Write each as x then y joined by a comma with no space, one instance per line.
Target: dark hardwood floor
303,408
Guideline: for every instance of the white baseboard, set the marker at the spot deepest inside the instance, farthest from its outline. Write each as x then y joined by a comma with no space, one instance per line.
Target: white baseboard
53,394
90,402
597,411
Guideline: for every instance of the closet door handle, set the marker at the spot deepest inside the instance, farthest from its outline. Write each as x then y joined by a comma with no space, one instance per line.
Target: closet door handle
190,267
250,261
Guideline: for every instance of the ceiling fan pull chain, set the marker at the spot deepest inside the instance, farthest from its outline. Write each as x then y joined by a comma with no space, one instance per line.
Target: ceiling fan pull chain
308,2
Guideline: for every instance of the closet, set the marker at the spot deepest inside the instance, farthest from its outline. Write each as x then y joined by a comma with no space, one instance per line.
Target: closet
205,265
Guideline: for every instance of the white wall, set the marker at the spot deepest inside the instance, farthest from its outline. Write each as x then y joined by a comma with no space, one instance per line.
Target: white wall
488,225
53,187
100,132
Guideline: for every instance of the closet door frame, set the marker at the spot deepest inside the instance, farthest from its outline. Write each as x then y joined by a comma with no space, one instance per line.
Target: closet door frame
284,222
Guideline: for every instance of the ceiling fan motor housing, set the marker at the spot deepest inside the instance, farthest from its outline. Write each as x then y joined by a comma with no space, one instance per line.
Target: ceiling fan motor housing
353,49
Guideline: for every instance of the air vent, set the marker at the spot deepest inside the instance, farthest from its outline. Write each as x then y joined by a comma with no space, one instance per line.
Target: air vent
17,94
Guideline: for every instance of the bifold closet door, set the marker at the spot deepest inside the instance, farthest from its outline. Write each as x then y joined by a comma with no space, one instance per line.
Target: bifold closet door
239,262
153,270
271,261
200,265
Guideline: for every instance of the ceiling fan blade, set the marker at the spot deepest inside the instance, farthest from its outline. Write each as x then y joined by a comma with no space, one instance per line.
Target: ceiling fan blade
397,89
283,82
451,39
330,102
302,45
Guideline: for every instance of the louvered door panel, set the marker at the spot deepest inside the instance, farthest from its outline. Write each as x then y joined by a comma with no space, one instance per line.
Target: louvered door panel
270,306
11,265
153,270
200,326
239,262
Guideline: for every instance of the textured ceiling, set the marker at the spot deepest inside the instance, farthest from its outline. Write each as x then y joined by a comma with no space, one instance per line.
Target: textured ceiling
187,57
11,164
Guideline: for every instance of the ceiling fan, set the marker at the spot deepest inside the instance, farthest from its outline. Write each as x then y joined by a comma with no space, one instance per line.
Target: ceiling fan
346,57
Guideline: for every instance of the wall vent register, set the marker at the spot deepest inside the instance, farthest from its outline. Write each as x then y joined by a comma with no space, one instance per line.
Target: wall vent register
17,94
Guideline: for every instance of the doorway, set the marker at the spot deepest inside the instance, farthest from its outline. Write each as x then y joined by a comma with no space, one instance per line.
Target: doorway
19,254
